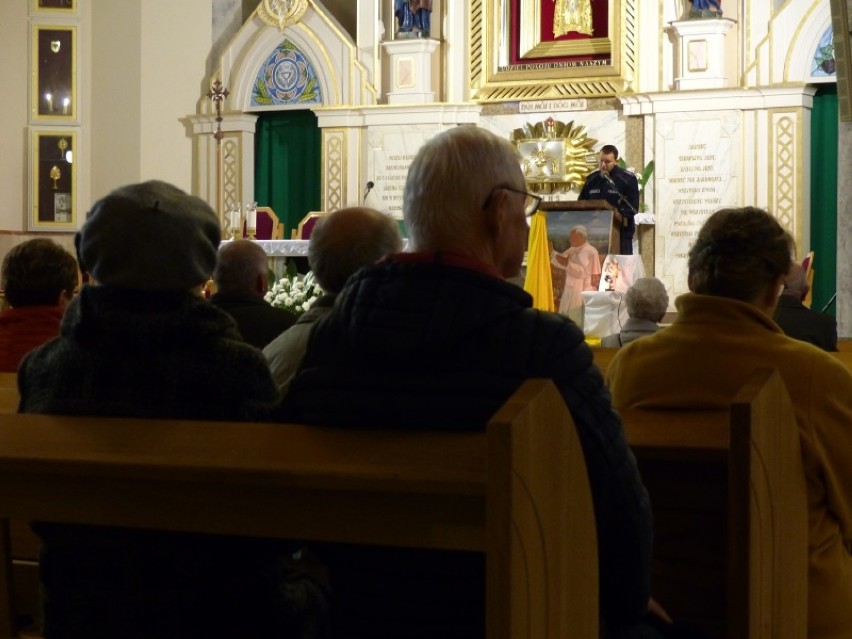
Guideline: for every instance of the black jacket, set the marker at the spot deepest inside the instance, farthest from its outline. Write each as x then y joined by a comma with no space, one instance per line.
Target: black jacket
416,342
624,183
258,322
157,355
802,323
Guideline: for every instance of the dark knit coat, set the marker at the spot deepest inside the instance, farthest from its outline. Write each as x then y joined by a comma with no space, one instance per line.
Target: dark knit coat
418,344
156,355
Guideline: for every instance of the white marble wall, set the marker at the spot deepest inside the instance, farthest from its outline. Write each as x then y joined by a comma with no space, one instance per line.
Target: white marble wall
698,169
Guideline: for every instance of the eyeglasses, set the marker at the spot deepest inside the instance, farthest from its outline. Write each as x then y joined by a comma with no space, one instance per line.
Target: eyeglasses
531,202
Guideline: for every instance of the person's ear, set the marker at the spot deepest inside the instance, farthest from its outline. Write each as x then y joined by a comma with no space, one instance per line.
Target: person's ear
495,213
63,298
261,284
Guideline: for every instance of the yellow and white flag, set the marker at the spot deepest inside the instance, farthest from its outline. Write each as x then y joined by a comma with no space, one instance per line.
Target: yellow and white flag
539,282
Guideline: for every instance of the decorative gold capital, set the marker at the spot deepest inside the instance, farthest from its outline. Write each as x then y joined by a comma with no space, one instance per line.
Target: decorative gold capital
282,13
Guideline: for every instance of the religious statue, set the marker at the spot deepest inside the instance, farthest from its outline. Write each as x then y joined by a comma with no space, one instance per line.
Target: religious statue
611,273
572,15
706,9
413,18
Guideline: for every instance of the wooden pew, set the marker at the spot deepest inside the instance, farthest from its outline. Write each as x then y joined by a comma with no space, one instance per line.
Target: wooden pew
603,356
730,509
518,491
24,543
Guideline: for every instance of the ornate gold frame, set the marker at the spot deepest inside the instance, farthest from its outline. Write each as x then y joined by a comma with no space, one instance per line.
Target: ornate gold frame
53,175
57,110
490,83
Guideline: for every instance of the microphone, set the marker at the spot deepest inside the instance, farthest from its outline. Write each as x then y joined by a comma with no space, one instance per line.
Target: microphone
370,186
606,177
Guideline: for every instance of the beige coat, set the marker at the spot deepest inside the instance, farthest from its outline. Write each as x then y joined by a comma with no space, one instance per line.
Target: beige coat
702,360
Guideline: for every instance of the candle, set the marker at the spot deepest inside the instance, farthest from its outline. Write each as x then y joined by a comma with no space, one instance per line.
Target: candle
49,98
65,103
235,220
251,219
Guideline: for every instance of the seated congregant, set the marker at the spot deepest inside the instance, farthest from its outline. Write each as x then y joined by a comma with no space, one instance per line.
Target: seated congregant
799,321
39,278
438,336
142,342
723,333
341,243
242,279
647,303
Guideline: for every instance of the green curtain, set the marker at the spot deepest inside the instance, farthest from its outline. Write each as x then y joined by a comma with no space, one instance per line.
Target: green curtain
824,196
288,146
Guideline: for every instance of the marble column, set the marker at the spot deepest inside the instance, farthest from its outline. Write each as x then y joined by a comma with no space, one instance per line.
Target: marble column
844,239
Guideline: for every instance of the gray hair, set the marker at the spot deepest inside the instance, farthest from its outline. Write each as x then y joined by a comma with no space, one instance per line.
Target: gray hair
580,229
347,240
449,182
647,299
238,265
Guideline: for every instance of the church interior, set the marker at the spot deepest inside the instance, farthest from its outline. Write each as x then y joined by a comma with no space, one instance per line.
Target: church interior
290,109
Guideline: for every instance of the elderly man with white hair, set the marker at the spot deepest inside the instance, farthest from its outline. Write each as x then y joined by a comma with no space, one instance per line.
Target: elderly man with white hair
439,337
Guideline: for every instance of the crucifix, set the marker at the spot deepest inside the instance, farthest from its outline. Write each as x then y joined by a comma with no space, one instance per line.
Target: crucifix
217,94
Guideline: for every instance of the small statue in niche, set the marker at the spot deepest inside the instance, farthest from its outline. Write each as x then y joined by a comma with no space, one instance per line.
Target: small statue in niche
705,9
572,15
413,18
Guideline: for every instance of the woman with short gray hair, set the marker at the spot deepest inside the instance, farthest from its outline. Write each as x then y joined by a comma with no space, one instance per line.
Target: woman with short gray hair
647,302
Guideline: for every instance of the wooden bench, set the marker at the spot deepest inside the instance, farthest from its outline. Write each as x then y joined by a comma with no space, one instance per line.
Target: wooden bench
603,356
730,512
518,491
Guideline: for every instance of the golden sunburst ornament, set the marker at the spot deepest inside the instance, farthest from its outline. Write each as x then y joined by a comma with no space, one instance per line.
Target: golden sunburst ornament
555,155
282,13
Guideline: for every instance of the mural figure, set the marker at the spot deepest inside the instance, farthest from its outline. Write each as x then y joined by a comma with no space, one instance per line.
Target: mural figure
413,18
572,15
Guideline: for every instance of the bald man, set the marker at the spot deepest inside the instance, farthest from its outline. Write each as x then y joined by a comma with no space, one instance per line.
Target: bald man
341,243
242,279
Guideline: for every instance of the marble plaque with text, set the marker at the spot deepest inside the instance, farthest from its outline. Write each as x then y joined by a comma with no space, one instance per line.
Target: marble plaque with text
698,172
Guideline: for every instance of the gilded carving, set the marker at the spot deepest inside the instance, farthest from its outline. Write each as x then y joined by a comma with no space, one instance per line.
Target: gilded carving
572,16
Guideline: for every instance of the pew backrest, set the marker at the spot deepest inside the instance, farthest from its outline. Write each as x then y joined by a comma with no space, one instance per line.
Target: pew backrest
518,492
748,459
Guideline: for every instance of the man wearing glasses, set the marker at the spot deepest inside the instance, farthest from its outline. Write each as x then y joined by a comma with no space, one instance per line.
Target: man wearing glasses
438,336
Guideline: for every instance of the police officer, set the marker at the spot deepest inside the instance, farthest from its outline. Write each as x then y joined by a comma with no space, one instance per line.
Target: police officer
618,187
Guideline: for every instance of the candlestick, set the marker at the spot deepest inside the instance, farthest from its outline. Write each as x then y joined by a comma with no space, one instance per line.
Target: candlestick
235,223
251,220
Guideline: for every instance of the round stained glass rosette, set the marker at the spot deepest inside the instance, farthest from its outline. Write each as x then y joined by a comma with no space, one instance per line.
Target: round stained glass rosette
286,76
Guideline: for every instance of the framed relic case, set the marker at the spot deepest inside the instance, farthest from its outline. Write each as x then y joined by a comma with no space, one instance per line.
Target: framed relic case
53,180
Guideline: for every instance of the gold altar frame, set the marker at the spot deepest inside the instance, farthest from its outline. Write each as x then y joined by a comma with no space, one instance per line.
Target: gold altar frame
491,83
55,7
44,76
53,193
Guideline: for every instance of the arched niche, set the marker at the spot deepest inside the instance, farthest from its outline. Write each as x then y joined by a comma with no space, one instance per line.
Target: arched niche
225,170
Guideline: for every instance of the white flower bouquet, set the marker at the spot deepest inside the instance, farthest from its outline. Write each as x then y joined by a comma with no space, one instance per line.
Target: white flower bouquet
294,293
